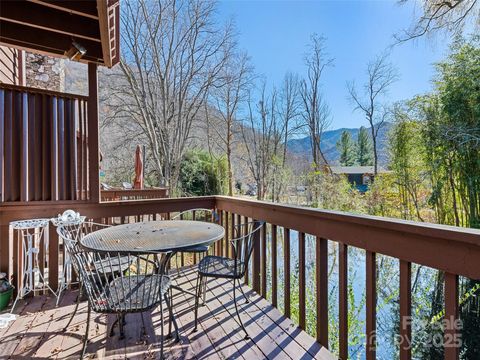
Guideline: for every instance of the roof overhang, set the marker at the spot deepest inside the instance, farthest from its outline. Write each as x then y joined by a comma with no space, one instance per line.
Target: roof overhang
63,28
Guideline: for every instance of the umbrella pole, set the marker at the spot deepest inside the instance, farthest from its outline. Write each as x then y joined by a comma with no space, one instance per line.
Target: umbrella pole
143,167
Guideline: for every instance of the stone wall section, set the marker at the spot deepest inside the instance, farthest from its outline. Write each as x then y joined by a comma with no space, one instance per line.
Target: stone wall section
44,72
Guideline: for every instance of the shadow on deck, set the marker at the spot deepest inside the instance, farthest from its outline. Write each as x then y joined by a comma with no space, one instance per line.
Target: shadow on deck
38,331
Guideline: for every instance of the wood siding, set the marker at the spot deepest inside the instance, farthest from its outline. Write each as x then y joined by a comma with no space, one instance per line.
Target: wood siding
11,66
43,145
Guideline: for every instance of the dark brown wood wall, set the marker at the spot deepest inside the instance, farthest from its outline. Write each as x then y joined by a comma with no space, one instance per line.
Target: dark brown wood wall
43,145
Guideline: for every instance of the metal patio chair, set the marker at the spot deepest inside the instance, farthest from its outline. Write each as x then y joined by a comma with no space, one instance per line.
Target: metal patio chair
74,224
230,268
141,287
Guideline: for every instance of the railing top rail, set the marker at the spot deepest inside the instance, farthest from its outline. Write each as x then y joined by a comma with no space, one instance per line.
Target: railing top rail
25,210
134,191
467,235
447,248
42,91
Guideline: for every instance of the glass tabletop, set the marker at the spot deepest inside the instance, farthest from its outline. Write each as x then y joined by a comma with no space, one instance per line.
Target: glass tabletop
153,236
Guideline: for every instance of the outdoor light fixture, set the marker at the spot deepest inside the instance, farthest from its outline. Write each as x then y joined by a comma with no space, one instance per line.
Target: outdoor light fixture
76,51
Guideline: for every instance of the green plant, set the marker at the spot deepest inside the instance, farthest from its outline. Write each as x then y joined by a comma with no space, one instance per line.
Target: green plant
203,174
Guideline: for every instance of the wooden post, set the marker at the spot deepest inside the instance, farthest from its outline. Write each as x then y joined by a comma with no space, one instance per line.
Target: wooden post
321,269
452,331
256,260
274,265
371,304
343,301
405,310
93,151
286,270
263,260
301,281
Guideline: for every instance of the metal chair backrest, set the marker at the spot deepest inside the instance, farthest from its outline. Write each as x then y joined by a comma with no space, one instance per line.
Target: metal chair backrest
243,243
113,282
196,214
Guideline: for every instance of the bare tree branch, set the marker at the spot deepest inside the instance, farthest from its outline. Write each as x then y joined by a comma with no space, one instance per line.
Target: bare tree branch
441,15
381,74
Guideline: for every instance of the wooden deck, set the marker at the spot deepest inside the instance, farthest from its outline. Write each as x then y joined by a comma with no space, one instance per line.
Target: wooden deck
37,332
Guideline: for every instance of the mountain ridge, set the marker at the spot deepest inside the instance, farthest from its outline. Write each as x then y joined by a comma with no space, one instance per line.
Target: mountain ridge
302,146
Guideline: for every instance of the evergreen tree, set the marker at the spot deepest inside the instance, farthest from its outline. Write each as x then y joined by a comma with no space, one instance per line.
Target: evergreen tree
364,148
346,147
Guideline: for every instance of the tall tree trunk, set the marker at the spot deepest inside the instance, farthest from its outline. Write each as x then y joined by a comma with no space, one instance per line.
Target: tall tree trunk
454,195
229,161
375,154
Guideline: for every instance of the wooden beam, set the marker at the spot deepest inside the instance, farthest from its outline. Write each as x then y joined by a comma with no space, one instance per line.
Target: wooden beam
104,31
93,148
50,19
86,8
47,42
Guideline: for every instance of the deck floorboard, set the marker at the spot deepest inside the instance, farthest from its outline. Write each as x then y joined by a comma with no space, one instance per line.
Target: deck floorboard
38,332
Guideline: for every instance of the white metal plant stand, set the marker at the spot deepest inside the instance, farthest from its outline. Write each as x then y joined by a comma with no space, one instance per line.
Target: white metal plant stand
71,218
32,234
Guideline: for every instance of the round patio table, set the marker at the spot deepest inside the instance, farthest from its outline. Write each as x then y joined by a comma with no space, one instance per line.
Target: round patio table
166,236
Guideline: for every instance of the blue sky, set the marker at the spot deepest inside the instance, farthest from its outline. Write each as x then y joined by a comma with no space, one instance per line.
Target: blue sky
275,35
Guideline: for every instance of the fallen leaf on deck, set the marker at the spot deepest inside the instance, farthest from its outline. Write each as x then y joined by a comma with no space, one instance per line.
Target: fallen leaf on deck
56,350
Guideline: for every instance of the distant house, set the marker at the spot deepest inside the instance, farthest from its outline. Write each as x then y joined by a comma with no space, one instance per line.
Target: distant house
359,176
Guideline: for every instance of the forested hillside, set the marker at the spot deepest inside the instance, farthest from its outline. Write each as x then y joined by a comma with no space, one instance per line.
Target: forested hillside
330,138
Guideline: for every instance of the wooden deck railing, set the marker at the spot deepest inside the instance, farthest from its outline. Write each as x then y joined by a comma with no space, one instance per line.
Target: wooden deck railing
455,251
134,194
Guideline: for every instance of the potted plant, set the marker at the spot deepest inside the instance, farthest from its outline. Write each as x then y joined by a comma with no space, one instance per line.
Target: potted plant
6,291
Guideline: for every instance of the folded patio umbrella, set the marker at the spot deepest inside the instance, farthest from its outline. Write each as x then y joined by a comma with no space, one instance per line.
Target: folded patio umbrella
138,182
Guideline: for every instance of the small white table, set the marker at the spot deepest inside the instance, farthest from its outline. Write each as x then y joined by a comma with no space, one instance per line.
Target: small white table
32,234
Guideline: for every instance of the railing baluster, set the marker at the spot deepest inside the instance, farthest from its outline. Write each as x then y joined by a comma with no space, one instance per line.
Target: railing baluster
218,244
53,257
232,235
321,254
243,220
301,280
371,304
405,310
263,259
343,296
227,234
256,264
274,265
286,269
182,254
451,336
